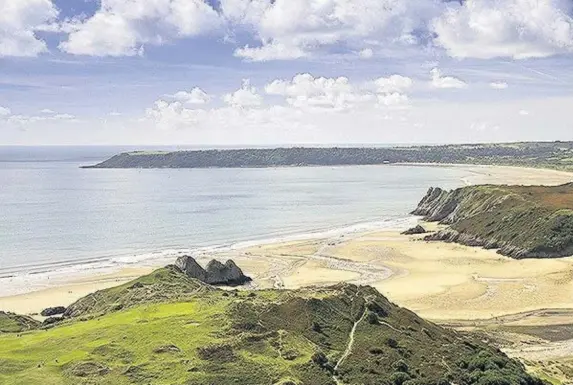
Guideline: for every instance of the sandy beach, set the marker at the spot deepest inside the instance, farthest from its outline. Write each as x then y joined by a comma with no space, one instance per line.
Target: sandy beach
437,280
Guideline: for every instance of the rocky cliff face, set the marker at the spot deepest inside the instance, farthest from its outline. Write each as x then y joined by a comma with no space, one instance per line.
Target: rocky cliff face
521,222
216,273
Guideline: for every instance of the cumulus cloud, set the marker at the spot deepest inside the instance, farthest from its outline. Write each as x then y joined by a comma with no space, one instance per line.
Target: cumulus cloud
271,51
366,53
510,28
498,85
246,96
122,28
195,96
22,121
306,91
393,83
4,111
393,99
19,20
290,29
440,81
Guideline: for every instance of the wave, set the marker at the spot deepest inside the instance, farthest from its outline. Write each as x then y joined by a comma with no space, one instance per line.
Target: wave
29,278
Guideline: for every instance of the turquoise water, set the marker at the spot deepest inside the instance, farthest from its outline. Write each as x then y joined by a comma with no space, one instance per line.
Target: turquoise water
55,214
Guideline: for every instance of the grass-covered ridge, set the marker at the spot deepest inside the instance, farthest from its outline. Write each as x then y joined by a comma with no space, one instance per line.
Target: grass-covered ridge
521,221
342,334
555,155
14,323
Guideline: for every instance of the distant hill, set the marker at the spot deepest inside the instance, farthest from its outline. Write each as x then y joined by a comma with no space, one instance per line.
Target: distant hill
520,221
557,155
167,329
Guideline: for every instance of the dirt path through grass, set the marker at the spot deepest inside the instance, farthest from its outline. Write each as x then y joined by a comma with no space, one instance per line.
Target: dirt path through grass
348,347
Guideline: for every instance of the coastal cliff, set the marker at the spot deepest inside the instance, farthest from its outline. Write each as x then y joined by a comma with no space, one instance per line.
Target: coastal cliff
519,221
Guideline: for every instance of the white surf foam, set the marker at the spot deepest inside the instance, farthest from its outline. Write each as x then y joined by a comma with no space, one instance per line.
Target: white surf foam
25,279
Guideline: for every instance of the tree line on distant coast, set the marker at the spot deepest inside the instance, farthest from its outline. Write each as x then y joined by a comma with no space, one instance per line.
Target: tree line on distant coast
556,155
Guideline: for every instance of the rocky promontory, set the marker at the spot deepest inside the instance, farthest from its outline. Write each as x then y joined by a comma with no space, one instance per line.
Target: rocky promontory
216,273
519,221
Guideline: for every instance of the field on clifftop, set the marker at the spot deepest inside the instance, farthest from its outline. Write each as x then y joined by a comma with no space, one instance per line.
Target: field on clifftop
520,221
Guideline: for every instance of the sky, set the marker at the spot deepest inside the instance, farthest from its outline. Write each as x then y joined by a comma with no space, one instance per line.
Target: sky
284,72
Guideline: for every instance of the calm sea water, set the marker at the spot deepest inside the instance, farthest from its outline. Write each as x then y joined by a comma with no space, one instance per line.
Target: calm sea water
52,213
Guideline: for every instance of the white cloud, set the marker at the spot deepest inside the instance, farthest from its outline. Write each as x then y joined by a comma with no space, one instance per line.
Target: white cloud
509,28
63,117
47,111
523,112
393,99
271,51
246,96
366,53
306,91
26,121
290,29
19,19
195,96
393,83
5,112
440,81
122,28
498,85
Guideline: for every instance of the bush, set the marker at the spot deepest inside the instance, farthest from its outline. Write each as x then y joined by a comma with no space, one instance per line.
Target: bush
319,358
392,342
401,366
399,378
485,361
372,318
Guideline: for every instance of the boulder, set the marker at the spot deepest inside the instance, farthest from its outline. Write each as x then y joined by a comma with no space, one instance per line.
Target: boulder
52,311
415,230
51,321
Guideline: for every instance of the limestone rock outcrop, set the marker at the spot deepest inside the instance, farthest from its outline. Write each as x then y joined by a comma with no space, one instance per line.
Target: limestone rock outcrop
216,273
52,311
415,230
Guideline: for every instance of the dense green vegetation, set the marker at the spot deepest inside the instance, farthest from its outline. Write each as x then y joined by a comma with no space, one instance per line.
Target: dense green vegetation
557,155
342,334
521,221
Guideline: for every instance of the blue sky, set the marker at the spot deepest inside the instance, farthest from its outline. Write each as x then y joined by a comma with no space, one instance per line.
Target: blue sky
284,71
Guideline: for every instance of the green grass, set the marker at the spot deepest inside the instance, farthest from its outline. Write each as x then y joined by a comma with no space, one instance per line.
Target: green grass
255,338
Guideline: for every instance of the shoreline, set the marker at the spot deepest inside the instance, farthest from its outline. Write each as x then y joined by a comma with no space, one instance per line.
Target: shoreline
394,264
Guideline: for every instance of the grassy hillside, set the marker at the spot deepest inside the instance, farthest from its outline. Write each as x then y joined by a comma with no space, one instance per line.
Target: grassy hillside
14,323
339,335
556,155
521,221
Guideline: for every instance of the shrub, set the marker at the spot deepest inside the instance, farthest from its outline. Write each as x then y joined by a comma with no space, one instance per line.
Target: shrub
399,378
372,318
401,366
391,342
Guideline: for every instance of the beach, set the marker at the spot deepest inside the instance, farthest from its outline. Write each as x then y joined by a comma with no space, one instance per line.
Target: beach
439,281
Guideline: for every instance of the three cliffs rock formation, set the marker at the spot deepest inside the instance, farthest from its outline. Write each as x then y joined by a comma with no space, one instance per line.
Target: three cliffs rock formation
216,273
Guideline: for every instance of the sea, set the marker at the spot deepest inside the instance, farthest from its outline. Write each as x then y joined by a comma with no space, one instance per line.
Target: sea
59,220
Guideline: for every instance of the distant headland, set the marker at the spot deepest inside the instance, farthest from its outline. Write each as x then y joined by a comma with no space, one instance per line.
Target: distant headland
554,155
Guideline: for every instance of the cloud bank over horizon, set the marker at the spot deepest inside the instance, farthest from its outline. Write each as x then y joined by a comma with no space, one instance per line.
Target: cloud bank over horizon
284,71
